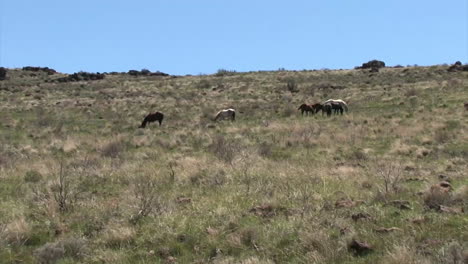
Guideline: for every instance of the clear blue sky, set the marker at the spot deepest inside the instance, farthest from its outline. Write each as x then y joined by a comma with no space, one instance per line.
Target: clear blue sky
192,37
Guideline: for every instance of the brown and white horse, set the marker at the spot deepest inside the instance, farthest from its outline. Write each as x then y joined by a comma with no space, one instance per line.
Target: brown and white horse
226,114
343,104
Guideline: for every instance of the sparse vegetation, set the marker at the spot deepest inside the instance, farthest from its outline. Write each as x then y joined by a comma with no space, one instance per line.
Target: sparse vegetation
384,183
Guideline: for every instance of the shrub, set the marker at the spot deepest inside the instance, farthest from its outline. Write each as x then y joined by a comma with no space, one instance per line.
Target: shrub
391,175
411,92
49,253
435,197
113,149
203,84
32,176
291,86
146,194
74,247
146,72
65,190
52,252
265,149
223,72
224,148
117,236
288,111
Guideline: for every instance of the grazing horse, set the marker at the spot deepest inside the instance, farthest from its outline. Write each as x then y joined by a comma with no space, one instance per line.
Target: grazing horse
337,108
317,107
306,108
226,114
327,108
339,101
156,116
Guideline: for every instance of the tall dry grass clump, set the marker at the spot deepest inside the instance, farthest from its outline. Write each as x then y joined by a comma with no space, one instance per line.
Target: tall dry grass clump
16,232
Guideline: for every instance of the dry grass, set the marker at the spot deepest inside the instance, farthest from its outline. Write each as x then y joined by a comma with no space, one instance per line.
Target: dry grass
271,187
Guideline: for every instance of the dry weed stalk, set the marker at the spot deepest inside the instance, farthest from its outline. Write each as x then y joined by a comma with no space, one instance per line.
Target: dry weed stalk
145,192
65,194
391,174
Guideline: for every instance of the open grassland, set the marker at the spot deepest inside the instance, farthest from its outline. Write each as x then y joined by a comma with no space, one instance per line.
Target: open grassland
79,183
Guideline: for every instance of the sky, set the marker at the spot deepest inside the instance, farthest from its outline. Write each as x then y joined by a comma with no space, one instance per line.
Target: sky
201,37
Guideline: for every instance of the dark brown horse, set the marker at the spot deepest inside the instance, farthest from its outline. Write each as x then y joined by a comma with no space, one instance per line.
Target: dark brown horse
337,108
306,108
156,116
327,108
317,107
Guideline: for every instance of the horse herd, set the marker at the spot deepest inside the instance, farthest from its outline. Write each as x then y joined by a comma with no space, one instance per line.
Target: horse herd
336,106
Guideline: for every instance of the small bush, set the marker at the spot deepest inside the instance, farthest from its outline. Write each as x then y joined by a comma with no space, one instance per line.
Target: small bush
118,236
146,195
358,154
32,176
411,92
391,175
288,111
442,135
49,253
224,148
203,84
265,149
223,72
75,247
291,86
113,149
65,190
435,197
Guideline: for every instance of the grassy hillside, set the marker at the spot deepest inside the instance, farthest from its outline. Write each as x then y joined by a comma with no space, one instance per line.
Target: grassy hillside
80,183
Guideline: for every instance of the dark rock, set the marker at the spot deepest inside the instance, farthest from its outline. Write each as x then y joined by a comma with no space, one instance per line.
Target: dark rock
360,248
358,216
47,70
3,72
374,65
